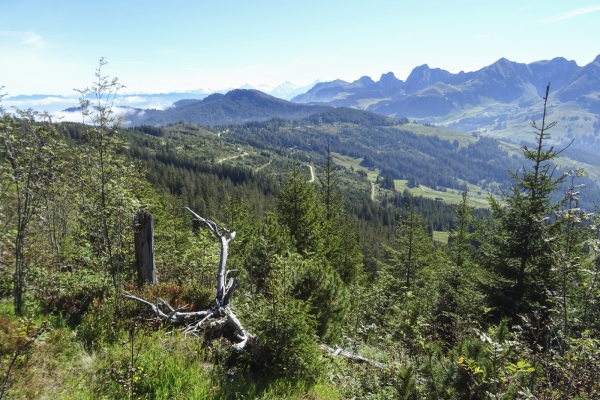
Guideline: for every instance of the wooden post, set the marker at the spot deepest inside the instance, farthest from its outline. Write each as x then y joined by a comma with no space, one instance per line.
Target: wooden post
143,237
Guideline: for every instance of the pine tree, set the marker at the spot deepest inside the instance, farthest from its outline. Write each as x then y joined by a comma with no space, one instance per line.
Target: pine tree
342,247
515,250
413,248
461,276
316,281
300,211
460,238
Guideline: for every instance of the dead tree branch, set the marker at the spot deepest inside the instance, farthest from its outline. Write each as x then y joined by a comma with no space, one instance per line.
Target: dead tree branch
341,352
220,316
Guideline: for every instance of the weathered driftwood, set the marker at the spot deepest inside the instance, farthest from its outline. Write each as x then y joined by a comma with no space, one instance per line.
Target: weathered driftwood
219,317
341,352
143,237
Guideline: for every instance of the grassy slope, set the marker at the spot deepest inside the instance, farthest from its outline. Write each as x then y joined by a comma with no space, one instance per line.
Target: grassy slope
451,196
572,119
465,139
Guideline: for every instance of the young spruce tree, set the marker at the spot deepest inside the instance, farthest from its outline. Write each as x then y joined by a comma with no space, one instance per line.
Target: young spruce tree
342,246
514,246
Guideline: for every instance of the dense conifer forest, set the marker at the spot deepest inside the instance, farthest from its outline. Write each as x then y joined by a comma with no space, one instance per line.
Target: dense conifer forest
342,294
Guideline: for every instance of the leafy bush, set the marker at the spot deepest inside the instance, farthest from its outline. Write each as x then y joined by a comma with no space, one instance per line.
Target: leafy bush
71,294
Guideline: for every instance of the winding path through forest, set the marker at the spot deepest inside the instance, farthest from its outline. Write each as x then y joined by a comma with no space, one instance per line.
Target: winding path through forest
231,158
312,174
263,166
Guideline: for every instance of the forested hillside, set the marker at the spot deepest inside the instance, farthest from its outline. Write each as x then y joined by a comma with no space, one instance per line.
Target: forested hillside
293,276
236,106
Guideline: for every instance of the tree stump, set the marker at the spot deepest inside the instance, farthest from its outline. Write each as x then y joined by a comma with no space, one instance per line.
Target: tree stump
143,237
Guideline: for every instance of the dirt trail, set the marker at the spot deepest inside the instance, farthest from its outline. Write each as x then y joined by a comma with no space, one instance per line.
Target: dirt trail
231,158
263,166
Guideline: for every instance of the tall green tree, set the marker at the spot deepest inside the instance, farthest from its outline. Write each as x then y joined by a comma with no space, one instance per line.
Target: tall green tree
342,246
316,280
459,279
515,248
109,185
413,249
285,326
300,211
32,150
461,237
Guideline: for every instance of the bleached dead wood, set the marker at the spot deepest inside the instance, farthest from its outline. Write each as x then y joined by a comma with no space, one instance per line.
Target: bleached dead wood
220,316
341,352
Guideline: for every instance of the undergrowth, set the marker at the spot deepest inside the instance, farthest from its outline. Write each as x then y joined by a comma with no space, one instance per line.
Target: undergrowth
165,366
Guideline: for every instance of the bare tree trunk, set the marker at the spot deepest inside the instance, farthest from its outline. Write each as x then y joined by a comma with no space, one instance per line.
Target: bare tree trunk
143,228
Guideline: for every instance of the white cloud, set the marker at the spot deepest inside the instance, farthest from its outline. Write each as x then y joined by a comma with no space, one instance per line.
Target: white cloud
570,14
54,104
24,38
143,102
50,104
132,99
75,116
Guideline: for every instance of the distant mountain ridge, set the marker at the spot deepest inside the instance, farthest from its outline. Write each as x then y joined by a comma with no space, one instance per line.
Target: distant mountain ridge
234,107
496,99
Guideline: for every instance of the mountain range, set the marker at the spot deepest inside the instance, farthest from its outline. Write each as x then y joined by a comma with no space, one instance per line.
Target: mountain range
498,100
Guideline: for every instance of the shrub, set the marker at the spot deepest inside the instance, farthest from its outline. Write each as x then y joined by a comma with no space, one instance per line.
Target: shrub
285,346
71,294
104,323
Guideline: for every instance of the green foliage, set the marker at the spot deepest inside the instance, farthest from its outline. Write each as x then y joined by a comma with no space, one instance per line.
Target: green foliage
459,282
461,237
108,185
342,247
70,294
299,210
412,252
573,373
517,245
32,154
497,371
272,239
420,311
285,327
318,284
315,229
386,182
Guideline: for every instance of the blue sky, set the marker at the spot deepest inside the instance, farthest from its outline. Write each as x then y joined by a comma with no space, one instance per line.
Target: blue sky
51,47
